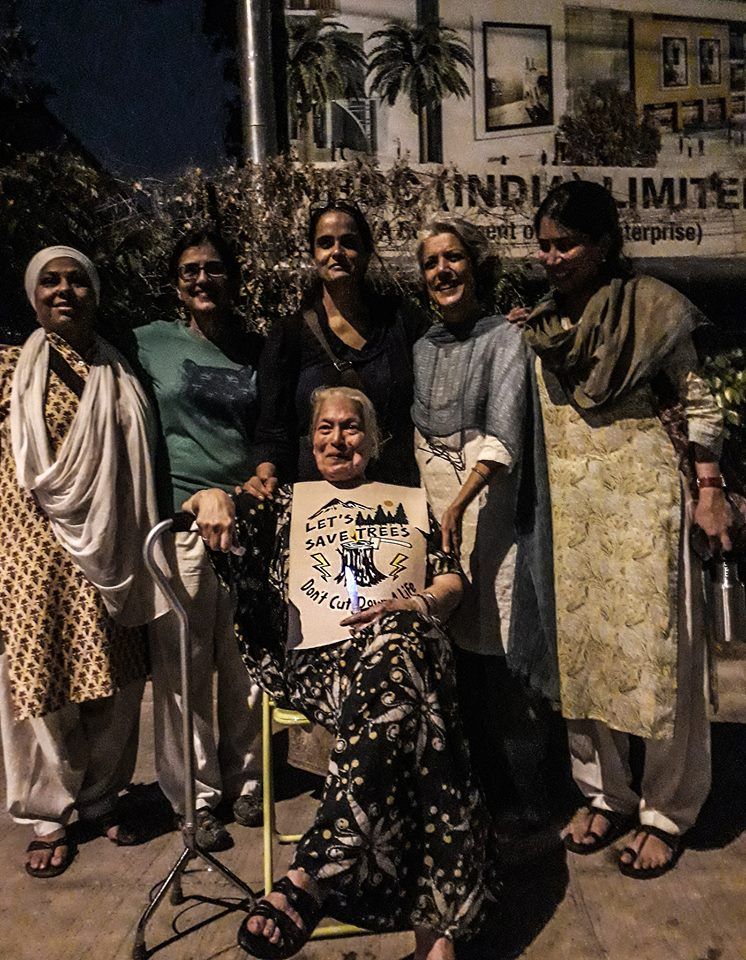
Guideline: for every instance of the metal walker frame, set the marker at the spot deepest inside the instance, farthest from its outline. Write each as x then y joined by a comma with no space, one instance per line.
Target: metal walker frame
181,522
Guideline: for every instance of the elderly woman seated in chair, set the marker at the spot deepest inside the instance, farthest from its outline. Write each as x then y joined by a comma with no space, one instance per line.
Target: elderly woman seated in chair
399,839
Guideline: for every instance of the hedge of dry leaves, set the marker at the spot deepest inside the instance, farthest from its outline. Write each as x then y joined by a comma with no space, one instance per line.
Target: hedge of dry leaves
130,228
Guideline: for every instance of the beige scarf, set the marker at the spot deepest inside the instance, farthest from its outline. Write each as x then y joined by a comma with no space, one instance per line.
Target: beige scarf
99,493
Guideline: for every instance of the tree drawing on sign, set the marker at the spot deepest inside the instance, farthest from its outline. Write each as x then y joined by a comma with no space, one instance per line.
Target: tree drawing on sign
358,557
382,517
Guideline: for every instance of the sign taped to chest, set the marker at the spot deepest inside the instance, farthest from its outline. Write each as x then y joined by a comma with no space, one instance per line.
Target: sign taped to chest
351,548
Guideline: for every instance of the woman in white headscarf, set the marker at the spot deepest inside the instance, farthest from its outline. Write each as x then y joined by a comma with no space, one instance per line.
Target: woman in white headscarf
76,498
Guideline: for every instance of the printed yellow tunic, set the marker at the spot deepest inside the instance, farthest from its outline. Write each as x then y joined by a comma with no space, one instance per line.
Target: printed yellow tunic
62,646
617,517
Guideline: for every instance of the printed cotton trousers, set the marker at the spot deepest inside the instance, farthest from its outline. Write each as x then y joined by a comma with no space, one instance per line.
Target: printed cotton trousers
78,757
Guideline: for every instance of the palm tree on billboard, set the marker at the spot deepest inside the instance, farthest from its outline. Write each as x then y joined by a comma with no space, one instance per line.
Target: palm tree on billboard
324,64
424,63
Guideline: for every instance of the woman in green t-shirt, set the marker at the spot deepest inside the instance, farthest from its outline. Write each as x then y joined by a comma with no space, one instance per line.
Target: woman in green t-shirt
202,372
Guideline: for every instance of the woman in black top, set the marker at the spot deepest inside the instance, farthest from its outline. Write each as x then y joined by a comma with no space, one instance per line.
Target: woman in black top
344,334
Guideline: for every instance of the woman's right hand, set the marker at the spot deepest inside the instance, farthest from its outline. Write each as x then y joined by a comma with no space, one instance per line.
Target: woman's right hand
377,610
450,529
263,484
215,514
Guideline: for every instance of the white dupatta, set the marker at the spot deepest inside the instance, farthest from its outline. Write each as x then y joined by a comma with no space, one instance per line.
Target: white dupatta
99,493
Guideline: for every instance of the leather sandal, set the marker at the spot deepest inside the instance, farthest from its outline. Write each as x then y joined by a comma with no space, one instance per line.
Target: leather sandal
292,937
45,873
127,835
672,841
619,824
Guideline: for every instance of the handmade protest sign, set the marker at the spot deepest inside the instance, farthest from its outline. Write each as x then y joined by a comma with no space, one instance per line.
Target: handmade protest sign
351,548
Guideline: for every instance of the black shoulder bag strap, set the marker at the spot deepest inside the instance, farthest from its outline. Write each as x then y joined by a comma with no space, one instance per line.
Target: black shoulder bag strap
348,377
65,372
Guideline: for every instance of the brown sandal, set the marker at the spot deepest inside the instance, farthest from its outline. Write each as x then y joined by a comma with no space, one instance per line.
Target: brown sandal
619,824
292,937
45,873
672,841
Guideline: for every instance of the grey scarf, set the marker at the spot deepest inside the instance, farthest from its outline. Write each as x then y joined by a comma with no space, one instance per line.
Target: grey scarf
471,379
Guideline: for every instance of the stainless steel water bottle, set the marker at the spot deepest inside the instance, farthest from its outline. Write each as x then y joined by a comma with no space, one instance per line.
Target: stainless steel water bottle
729,602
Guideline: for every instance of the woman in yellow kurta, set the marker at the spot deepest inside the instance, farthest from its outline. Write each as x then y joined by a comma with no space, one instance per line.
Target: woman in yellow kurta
76,497
630,641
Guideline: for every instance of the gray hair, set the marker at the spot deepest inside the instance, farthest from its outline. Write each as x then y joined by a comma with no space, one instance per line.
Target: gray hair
367,412
484,260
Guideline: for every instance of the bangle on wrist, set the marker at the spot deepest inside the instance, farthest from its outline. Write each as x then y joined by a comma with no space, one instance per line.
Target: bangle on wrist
429,601
482,472
432,605
717,482
421,604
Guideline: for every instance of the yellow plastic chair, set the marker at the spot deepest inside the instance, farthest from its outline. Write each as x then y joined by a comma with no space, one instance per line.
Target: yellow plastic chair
271,715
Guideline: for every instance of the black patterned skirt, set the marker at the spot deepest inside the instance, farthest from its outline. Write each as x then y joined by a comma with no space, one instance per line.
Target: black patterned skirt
401,837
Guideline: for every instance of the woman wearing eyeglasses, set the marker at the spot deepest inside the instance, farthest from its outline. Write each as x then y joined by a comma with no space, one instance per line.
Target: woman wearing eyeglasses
202,371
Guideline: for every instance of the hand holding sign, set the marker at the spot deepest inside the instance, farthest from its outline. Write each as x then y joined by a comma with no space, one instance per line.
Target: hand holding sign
375,612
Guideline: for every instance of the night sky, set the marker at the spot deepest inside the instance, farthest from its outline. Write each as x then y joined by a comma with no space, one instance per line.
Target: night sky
136,81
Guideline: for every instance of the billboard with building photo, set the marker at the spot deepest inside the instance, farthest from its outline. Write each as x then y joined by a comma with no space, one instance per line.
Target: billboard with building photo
678,65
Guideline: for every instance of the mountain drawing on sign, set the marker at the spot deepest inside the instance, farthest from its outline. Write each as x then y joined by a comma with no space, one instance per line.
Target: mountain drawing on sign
337,504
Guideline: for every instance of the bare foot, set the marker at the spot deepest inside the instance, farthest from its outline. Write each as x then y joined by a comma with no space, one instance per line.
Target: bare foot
266,926
429,945
587,826
651,852
42,860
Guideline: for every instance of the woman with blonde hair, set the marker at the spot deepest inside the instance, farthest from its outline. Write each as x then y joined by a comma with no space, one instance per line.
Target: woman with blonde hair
470,409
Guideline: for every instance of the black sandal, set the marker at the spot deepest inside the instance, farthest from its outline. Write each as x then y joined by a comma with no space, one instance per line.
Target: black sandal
45,873
127,835
293,937
619,824
672,841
